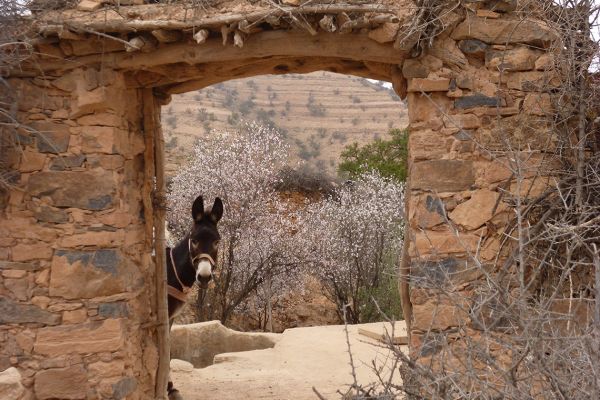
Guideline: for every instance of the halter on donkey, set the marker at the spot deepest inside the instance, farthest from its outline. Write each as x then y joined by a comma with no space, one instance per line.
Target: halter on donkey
192,261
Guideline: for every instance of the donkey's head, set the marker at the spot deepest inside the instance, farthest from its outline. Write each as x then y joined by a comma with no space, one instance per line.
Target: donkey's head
204,239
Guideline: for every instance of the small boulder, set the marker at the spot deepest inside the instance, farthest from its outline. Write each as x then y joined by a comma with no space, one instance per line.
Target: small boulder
10,384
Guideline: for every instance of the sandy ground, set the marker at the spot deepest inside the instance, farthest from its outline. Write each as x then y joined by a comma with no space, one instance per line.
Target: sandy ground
303,358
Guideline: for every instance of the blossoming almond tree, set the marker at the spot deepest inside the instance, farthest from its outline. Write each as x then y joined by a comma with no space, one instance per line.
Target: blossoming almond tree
242,168
353,241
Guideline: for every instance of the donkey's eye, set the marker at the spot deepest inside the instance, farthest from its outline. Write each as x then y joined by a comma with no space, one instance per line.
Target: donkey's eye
216,243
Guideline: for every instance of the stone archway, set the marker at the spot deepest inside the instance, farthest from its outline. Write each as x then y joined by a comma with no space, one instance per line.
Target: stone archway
78,274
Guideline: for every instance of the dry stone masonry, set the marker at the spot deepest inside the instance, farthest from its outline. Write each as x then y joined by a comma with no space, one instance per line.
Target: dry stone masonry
77,298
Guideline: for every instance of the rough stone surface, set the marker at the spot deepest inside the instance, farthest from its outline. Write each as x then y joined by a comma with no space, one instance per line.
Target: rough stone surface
16,313
518,59
61,383
10,384
477,100
67,162
124,387
473,47
502,31
52,137
87,190
88,274
477,210
429,85
442,175
89,338
199,343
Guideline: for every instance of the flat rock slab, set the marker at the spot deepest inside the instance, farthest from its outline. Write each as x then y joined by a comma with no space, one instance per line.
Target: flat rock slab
301,359
384,331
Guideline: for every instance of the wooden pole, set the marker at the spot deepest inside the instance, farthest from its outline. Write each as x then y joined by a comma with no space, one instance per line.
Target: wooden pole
152,129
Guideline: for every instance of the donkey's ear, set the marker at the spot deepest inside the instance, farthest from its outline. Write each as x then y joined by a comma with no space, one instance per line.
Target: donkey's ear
217,210
198,208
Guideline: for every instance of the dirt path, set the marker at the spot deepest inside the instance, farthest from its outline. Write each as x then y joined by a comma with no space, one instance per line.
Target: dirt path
303,358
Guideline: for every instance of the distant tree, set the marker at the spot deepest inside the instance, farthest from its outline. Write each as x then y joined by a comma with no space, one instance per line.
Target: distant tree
388,157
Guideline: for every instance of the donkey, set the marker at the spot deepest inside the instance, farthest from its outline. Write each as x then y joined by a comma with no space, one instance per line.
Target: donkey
191,261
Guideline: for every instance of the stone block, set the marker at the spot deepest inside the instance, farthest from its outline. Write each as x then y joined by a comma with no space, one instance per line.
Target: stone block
462,121
427,144
429,85
89,274
10,384
503,31
445,273
74,316
479,209
66,163
124,387
61,383
86,190
51,215
414,69
428,213
31,251
4,265
103,139
89,5
18,288
477,100
442,175
518,59
427,108
440,243
533,81
385,33
89,338
439,315
473,47
100,119
51,137
116,309
32,161
538,104
99,239
12,312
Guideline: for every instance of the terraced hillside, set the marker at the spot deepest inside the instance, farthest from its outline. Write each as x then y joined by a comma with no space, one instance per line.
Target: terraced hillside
319,113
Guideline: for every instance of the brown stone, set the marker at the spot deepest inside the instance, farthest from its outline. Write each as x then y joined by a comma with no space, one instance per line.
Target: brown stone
14,273
100,119
385,33
61,383
545,62
32,161
103,139
518,59
18,288
412,68
25,340
89,5
33,251
462,121
10,384
502,31
479,209
43,278
88,274
487,14
426,144
75,316
67,162
51,137
99,239
427,107
87,190
532,81
109,369
442,175
439,315
428,213
12,312
428,85
52,215
88,338
447,50
438,243
538,104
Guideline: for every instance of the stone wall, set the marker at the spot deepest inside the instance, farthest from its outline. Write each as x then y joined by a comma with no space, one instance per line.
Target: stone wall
483,86
76,274
76,283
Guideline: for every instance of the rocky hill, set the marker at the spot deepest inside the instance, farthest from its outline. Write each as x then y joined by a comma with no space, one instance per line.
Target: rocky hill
319,113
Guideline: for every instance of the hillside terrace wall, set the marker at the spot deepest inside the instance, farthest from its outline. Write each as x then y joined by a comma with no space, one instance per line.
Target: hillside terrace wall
76,292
